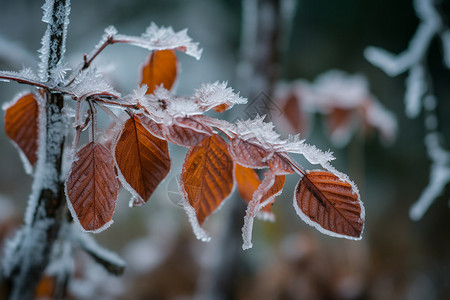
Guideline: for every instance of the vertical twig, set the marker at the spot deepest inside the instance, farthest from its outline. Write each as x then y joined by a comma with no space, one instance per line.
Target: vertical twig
31,253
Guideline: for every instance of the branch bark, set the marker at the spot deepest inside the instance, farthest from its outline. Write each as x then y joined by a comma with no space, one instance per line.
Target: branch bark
32,247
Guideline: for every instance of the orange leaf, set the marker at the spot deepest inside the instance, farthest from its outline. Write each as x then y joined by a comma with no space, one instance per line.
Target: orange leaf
324,201
221,107
207,176
142,159
92,187
160,69
21,125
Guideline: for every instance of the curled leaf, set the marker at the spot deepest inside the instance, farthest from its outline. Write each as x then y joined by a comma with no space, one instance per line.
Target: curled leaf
92,187
206,180
22,125
265,194
330,205
248,182
162,68
142,159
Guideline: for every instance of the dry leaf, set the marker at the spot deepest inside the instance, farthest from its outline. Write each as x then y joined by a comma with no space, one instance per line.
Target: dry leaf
142,159
207,176
324,201
21,125
92,187
160,69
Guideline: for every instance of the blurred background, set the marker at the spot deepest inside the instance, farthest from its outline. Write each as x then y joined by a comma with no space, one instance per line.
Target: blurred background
397,258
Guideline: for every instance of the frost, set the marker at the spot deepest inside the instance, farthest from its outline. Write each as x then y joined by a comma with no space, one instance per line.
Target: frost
210,95
88,243
316,225
162,38
445,37
315,156
199,232
52,50
255,206
416,88
439,176
418,93
257,129
336,88
90,83
25,73
334,91
411,59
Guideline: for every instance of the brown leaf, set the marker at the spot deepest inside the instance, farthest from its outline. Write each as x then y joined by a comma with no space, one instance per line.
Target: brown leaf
187,132
207,176
324,201
248,182
22,125
160,69
142,159
92,187
154,128
294,115
249,154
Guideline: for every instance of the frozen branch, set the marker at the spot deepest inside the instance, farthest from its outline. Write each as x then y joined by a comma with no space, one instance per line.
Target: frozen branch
412,58
113,263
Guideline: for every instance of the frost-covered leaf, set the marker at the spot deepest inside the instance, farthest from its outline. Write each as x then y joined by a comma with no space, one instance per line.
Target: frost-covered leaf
217,96
142,159
330,205
206,179
248,182
270,187
161,68
187,132
22,125
163,38
90,83
92,188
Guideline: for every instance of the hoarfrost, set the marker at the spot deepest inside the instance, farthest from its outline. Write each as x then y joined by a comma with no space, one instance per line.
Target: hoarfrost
254,207
430,26
416,88
52,50
210,95
439,176
90,83
159,38
199,232
88,243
